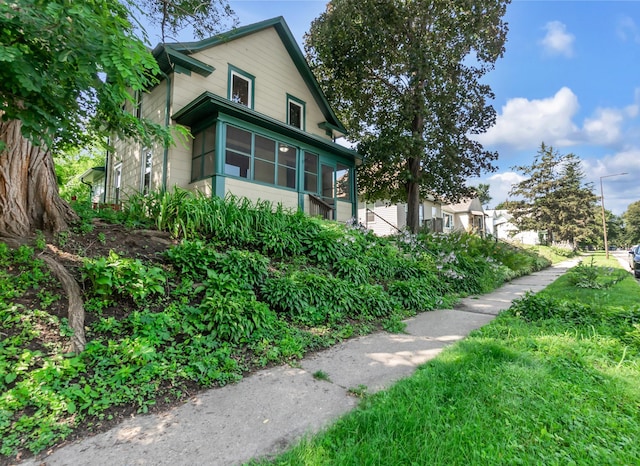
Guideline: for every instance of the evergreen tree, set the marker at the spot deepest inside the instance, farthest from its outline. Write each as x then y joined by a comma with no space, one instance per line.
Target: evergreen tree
482,192
553,198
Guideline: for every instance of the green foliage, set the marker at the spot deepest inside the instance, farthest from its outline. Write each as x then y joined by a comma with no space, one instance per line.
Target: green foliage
351,270
414,294
227,298
632,223
408,93
69,44
70,164
591,276
534,307
230,310
554,198
126,277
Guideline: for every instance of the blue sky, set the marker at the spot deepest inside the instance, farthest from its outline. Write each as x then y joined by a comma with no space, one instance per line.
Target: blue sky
570,77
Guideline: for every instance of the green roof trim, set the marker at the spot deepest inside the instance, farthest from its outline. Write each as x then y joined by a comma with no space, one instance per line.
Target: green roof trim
167,56
92,175
187,48
209,105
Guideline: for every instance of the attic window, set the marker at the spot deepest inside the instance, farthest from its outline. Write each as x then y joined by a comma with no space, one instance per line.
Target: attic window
295,112
240,87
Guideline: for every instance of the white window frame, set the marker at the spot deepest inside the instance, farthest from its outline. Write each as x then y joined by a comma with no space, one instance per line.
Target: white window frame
236,72
147,165
291,100
447,221
117,182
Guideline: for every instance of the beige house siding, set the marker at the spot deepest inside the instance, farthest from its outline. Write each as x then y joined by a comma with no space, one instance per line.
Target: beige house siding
255,192
194,92
263,56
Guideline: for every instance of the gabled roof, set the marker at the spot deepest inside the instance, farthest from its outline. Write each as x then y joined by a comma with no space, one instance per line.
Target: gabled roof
472,206
179,54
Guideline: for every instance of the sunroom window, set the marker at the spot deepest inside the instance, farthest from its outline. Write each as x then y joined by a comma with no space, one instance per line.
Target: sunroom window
238,153
203,155
273,162
343,182
311,172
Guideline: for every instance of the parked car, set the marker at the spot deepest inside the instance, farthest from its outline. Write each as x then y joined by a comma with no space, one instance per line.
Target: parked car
634,260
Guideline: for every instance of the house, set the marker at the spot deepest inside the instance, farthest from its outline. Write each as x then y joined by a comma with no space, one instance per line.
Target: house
385,218
94,178
261,126
466,215
500,225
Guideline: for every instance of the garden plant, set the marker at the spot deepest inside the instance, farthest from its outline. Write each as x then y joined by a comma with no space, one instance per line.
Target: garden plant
236,286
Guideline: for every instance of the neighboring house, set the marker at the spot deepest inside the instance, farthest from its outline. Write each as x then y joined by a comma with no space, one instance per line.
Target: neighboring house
261,126
94,178
386,219
499,224
466,215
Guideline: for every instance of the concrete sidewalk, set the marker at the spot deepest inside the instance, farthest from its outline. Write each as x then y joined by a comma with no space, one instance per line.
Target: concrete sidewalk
264,413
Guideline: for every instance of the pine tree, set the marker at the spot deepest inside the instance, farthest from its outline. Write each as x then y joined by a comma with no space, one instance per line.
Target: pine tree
554,198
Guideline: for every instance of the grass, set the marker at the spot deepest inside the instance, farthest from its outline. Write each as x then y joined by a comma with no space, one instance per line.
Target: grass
246,286
560,389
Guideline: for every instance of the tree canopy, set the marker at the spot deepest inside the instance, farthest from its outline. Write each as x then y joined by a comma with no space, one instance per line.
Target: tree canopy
405,79
554,198
67,69
482,193
56,57
632,223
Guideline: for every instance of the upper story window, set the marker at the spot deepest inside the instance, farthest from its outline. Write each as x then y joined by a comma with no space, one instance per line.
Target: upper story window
240,87
295,112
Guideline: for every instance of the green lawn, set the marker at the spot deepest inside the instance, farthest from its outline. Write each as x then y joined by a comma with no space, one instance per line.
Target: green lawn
551,381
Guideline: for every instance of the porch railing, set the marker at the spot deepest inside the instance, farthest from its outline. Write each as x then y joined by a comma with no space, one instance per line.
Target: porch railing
317,207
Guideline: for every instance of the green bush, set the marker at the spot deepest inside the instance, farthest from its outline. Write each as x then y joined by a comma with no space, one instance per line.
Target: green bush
535,307
124,276
414,294
230,310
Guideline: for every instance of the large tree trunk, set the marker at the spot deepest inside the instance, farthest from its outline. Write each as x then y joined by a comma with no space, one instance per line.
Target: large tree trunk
29,197
29,201
413,197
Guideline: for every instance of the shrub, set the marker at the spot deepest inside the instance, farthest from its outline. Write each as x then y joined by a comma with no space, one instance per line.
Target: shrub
535,307
230,310
414,295
127,277
351,270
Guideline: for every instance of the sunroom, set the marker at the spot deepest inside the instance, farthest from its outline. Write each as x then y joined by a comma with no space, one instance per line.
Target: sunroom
249,154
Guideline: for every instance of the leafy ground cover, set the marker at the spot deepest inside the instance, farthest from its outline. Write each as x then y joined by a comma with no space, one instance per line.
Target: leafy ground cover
185,293
552,380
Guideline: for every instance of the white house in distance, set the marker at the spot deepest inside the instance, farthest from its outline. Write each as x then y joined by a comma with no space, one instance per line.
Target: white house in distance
500,226
384,218
261,126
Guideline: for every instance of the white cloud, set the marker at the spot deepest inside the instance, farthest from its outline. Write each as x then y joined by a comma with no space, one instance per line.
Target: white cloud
627,30
499,185
620,191
558,41
605,127
526,123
